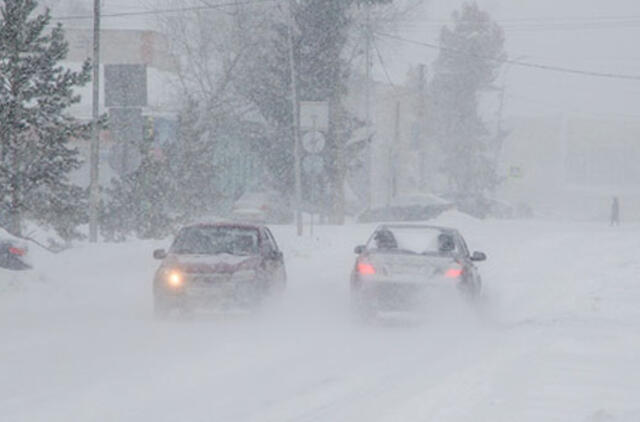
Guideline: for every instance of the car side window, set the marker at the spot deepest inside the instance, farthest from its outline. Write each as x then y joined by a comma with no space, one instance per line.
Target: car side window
273,239
270,244
463,246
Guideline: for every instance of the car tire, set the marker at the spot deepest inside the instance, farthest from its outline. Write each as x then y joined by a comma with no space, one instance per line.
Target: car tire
163,309
362,311
160,310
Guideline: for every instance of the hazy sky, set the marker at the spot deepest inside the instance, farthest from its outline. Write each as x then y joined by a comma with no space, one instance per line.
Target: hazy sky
578,34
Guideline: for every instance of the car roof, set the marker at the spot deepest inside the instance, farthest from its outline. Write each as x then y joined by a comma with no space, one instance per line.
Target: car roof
416,226
230,224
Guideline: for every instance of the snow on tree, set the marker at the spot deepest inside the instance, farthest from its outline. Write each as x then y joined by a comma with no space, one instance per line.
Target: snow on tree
35,128
321,37
470,55
235,80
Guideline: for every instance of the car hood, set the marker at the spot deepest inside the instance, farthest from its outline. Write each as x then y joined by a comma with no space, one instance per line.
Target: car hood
222,263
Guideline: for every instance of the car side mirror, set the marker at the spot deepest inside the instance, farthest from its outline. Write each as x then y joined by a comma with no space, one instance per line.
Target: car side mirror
159,254
478,256
359,249
275,255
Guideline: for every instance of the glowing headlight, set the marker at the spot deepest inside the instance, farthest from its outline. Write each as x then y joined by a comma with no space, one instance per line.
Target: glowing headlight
174,278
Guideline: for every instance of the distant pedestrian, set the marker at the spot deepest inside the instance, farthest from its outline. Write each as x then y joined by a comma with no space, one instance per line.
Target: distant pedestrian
615,212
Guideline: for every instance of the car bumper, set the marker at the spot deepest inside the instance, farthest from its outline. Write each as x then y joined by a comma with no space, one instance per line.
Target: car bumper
211,292
402,295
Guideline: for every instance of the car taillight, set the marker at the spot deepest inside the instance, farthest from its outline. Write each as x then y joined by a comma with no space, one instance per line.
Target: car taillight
364,268
453,273
17,251
264,207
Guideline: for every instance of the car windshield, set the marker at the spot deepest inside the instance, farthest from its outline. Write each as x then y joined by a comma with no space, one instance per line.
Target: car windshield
216,240
413,240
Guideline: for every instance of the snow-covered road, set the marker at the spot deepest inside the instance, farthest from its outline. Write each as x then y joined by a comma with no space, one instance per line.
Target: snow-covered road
558,338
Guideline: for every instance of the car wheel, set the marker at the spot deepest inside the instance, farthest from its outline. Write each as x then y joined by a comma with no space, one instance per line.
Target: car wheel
161,310
164,308
361,310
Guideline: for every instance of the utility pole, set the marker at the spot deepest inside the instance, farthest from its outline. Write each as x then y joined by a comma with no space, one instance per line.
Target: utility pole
94,187
393,154
295,124
367,93
422,115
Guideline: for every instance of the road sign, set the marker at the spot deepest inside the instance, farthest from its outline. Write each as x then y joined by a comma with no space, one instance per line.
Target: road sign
313,164
125,85
314,115
313,142
126,124
124,158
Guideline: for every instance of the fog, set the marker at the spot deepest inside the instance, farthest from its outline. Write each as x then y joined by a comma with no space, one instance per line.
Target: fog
511,127
552,339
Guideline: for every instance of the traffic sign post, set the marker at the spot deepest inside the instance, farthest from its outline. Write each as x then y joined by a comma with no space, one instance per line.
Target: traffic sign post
314,119
314,115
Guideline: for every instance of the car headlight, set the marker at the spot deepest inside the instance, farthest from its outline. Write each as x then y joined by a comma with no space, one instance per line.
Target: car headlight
174,278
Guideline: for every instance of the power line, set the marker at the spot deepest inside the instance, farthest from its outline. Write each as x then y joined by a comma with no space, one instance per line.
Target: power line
542,19
163,11
534,27
518,62
384,68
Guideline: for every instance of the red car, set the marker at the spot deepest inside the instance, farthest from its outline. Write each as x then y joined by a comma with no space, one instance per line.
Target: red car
217,265
14,255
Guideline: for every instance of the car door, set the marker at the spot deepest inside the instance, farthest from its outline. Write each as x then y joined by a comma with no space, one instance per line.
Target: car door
469,265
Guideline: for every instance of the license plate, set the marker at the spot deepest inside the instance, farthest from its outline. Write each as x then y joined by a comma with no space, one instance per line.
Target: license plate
212,279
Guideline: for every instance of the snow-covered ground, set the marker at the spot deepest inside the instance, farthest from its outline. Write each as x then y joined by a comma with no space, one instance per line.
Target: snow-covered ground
558,338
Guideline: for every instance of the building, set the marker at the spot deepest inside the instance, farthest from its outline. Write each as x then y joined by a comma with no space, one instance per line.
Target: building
396,161
145,55
571,166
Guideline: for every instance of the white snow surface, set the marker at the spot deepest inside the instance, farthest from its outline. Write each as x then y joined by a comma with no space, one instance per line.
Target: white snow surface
557,338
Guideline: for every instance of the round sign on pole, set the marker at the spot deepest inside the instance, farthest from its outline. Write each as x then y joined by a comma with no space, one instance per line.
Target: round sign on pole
313,164
313,142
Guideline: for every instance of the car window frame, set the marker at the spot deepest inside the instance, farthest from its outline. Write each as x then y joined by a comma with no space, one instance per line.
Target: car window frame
268,241
272,238
463,245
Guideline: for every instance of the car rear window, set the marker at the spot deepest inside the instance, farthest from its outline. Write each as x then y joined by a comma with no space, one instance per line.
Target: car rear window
214,240
416,240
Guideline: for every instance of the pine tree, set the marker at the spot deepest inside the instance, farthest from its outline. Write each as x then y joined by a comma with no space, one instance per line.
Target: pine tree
471,54
321,33
35,128
141,203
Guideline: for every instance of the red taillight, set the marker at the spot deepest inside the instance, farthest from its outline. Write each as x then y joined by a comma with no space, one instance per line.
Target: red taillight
17,251
453,273
364,268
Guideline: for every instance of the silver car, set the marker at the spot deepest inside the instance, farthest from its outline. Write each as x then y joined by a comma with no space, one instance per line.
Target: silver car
402,266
